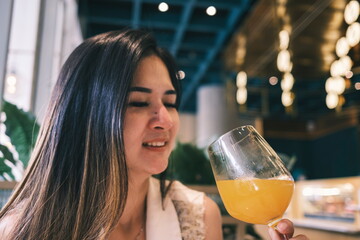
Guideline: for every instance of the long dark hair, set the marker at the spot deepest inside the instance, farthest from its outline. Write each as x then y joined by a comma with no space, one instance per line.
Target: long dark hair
76,184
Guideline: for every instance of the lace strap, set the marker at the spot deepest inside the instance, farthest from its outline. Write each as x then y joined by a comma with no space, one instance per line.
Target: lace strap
191,218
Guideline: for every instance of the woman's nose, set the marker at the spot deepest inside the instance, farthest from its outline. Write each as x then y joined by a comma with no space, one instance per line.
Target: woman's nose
161,118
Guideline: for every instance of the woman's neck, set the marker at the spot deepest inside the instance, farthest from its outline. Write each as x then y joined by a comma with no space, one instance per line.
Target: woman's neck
132,221
136,200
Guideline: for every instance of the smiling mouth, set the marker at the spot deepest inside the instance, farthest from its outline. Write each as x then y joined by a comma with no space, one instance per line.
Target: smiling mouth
154,144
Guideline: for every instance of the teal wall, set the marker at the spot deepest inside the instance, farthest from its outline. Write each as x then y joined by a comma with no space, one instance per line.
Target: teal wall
330,156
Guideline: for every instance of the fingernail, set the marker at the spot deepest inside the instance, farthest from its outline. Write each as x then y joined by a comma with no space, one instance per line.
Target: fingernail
281,226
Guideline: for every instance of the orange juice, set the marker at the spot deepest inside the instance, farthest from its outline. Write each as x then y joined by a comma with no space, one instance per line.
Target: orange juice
258,201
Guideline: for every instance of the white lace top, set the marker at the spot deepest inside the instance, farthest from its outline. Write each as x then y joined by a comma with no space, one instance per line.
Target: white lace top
181,217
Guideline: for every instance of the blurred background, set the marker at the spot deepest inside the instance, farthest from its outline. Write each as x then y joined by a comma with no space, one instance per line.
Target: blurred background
290,68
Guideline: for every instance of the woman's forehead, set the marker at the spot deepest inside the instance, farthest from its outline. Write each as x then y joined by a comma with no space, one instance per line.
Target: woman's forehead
152,71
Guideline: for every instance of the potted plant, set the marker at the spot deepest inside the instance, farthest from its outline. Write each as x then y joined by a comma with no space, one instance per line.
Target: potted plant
190,165
19,131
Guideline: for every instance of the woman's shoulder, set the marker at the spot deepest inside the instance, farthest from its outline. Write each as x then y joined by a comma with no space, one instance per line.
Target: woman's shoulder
212,219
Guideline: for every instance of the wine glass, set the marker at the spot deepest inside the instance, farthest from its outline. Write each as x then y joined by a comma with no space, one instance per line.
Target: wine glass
253,182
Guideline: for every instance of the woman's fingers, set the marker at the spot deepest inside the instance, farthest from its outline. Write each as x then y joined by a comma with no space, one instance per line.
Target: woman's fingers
286,227
274,235
300,237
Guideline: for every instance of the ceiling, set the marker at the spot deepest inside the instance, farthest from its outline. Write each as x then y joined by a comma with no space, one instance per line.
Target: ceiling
194,38
242,35
315,27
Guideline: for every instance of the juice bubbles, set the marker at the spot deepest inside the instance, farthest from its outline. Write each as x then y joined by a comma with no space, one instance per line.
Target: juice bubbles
257,201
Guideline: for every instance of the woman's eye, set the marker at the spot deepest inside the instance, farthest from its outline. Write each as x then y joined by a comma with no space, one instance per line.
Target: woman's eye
170,105
138,104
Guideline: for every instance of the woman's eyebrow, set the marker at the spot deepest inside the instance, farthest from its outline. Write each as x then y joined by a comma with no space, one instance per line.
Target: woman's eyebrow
140,89
169,92
148,90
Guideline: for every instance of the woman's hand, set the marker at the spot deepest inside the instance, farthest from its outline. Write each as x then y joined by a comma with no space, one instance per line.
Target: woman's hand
285,227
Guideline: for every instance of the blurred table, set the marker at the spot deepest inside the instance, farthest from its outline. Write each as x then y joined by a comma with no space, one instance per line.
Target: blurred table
311,233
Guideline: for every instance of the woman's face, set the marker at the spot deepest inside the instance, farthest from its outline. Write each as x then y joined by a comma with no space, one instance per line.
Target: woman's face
151,119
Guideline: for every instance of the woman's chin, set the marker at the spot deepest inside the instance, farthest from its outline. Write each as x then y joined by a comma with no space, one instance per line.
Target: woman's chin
152,168
158,168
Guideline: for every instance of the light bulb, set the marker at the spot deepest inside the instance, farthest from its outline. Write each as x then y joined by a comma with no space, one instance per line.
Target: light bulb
351,12
330,85
283,61
181,74
287,98
211,11
346,64
284,39
342,47
163,7
287,82
241,95
335,68
241,79
339,85
11,79
273,80
353,34
332,100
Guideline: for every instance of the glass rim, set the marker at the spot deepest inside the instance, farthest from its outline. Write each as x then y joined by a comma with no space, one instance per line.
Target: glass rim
250,127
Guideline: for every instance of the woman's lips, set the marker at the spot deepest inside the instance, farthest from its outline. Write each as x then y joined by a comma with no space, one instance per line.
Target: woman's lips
154,144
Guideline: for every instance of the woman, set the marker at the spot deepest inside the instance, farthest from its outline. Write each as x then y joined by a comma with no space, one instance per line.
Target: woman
111,124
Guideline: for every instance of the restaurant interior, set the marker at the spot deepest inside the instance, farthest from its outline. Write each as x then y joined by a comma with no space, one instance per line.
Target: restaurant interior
289,68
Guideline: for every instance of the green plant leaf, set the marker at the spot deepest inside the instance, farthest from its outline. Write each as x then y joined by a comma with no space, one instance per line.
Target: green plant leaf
7,155
3,167
190,165
22,129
